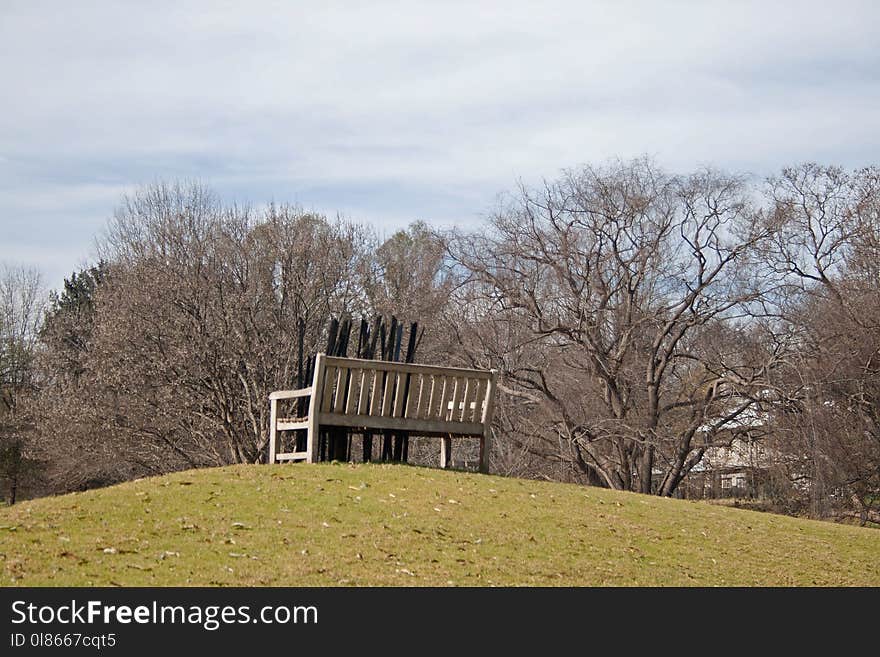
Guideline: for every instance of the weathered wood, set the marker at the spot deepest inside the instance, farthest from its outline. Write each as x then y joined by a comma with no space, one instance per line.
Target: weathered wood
468,389
290,394
292,456
285,424
456,400
339,398
426,413
376,396
488,415
313,442
413,368
476,415
364,396
441,410
417,427
351,398
326,385
371,396
387,395
273,415
399,394
415,411
411,393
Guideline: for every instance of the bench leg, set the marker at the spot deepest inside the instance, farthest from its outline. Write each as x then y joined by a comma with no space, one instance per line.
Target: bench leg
312,443
484,452
312,435
273,418
445,452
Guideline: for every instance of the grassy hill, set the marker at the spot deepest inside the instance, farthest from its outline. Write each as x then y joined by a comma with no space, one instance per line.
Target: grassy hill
331,525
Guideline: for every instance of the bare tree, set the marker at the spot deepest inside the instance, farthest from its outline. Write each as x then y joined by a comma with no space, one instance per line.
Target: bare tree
638,319
625,287
197,320
828,249
22,301
405,276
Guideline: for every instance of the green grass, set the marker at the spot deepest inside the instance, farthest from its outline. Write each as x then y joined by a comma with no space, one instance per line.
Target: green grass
328,525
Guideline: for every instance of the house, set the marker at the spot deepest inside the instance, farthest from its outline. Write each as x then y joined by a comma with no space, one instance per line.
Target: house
737,464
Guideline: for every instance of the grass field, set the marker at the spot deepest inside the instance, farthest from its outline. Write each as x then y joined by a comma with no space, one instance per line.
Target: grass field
341,524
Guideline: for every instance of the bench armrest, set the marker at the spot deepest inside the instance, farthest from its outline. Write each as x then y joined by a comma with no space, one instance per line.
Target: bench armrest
291,394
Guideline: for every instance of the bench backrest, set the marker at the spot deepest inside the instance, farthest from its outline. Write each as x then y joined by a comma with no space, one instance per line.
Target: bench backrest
355,392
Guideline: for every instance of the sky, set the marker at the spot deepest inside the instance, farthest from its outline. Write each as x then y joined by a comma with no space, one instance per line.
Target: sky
391,112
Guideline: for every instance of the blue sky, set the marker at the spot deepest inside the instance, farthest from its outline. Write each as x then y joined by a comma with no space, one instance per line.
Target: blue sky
389,112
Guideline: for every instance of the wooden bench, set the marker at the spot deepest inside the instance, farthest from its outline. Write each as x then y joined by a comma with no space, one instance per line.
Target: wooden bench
369,395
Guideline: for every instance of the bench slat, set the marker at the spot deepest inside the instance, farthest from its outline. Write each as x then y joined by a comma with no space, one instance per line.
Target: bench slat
378,389
351,394
364,396
292,456
411,368
439,411
426,413
339,397
452,413
400,394
387,395
479,394
416,386
460,415
329,375
417,427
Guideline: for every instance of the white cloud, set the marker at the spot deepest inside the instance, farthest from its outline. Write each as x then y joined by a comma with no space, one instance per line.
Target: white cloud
315,101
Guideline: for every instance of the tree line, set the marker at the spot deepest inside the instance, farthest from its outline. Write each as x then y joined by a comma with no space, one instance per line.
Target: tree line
641,322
